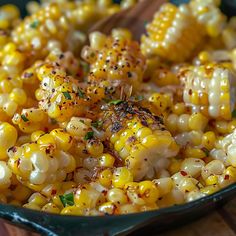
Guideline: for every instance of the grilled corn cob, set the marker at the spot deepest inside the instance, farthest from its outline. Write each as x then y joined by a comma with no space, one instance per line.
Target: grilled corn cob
173,34
116,58
208,14
210,90
224,150
59,94
43,161
139,138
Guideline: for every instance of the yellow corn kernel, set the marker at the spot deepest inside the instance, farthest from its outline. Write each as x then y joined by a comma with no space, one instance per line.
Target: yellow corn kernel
209,189
94,147
121,176
106,160
208,140
21,193
38,199
32,206
72,210
211,180
231,171
63,140
117,196
36,135
197,121
19,96
107,208
194,153
51,208
148,191
8,137
46,139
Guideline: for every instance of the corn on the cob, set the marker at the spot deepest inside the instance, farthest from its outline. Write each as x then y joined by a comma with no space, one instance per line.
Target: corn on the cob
208,14
116,58
139,138
44,161
173,34
209,89
224,150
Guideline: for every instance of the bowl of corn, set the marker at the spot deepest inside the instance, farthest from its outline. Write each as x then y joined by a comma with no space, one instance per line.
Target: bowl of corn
110,135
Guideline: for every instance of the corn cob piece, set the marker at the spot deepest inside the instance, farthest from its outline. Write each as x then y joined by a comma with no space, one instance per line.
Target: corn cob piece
43,161
208,14
173,34
59,94
225,150
139,138
116,58
210,90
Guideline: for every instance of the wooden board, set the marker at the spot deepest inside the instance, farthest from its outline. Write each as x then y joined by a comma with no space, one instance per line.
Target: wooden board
221,222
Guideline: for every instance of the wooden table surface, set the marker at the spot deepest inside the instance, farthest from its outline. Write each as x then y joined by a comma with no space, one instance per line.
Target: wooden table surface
221,222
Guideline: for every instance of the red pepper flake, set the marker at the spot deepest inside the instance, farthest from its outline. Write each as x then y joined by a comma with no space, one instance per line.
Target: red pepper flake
183,173
226,177
54,192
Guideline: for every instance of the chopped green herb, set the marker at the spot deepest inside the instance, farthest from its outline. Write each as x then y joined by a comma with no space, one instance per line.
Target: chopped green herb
67,199
67,95
206,151
53,121
97,124
80,93
34,24
24,118
89,135
234,113
116,102
140,97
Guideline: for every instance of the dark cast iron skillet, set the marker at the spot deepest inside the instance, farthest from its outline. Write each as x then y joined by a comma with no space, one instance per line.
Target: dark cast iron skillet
133,224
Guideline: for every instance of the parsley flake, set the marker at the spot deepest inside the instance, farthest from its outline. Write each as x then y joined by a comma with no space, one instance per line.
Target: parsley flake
67,95
116,102
67,199
80,93
97,124
89,135
34,24
234,113
24,118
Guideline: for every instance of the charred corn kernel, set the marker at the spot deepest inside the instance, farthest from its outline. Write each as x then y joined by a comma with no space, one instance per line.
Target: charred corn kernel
106,160
72,210
148,191
51,208
105,178
117,196
209,15
211,180
172,26
208,140
121,176
141,140
8,137
209,89
128,67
